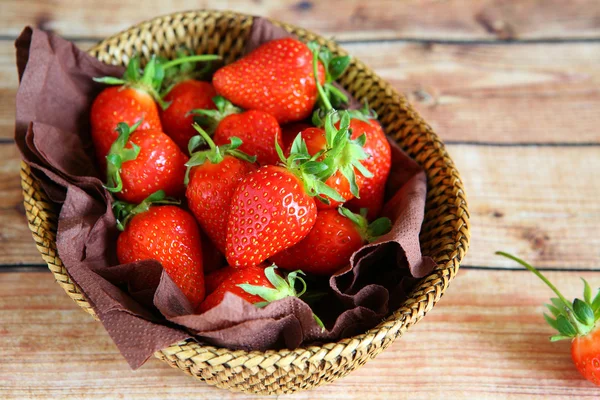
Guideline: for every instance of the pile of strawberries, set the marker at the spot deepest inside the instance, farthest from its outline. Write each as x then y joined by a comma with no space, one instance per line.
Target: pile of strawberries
260,159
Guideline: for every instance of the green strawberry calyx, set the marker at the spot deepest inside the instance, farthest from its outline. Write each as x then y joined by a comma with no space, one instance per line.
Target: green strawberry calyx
210,119
309,170
124,211
343,153
150,79
214,154
329,95
369,232
118,154
283,287
571,319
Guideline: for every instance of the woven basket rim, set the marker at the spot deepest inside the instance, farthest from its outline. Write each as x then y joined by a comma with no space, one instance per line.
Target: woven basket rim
445,270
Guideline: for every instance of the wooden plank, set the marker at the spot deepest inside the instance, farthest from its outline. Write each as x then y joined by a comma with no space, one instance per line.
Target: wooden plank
480,93
16,244
347,20
51,349
540,203
504,94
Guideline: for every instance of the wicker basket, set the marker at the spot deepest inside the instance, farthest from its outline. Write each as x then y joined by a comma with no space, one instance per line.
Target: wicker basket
444,236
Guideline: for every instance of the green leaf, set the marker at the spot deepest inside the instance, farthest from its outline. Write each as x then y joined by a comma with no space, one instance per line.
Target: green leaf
280,151
266,293
323,189
587,292
583,312
235,142
555,311
194,143
348,172
109,80
556,338
558,303
551,321
313,167
596,302
565,327
132,73
337,66
379,227
275,279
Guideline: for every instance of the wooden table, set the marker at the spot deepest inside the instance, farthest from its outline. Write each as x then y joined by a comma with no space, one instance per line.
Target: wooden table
514,90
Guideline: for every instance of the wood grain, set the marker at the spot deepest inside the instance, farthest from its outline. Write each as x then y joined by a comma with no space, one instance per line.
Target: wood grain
535,93
540,203
347,20
16,243
491,346
524,200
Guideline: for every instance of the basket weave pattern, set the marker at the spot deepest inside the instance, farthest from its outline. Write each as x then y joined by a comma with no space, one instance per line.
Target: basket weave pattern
444,236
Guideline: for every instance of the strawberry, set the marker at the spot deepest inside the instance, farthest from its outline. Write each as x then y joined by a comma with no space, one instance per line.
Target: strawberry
290,131
213,280
336,235
184,97
578,321
379,163
144,163
214,176
277,77
132,100
342,155
228,279
273,207
257,129
367,131
164,233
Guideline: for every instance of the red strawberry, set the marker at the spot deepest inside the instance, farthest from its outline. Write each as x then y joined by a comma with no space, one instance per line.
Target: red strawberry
120,104
257,129
273,207
336,235
276,77
144,163
214,176
290,131
184,97
213,280
379,163
270,211
578,321
342,155
167,234
132,100
376,151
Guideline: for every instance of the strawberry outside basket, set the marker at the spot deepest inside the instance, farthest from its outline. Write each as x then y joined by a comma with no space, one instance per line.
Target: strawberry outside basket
444,235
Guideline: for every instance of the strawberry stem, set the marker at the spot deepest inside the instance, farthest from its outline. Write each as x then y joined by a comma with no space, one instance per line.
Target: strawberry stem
124,211
196,58
215,154
322,95
283,287
118,154
539,275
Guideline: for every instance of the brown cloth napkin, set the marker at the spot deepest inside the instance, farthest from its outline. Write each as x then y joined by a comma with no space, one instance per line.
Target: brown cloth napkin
138,304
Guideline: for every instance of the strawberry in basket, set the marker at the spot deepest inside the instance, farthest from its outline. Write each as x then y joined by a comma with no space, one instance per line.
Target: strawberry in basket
274,208
183,93
276,77
141,162
214,175
330,244
257,129
156,230
133,98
